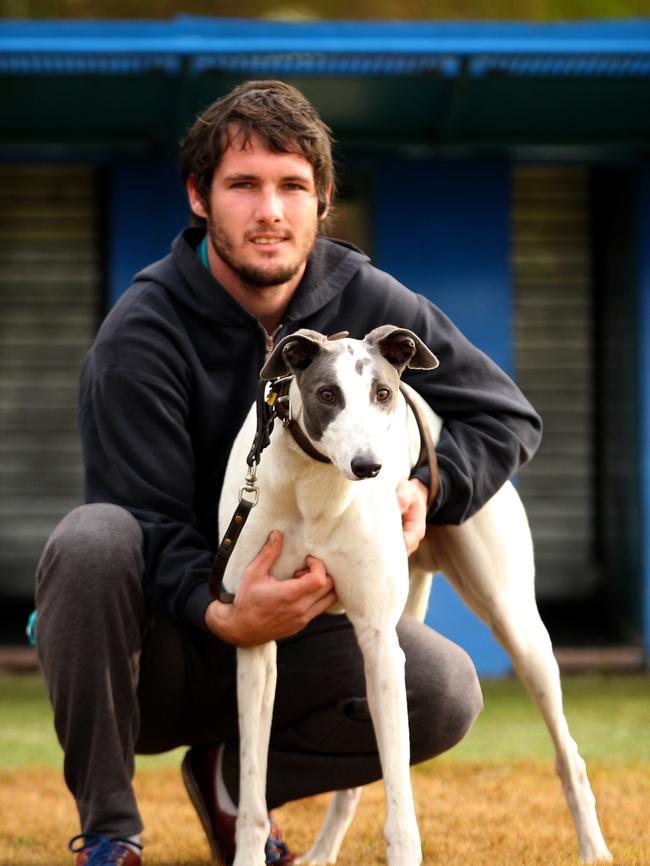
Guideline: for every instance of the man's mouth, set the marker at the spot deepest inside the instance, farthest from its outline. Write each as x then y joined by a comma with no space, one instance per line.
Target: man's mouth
268,240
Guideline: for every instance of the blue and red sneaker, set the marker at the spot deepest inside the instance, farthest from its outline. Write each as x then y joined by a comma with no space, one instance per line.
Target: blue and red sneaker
199,772
93,849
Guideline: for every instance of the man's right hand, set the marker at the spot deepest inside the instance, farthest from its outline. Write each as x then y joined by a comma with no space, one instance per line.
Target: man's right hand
267,609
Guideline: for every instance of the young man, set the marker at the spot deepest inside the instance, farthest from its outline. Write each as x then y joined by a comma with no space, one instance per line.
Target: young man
137,655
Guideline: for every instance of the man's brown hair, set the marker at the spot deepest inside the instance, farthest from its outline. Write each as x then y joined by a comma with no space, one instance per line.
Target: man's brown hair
283,118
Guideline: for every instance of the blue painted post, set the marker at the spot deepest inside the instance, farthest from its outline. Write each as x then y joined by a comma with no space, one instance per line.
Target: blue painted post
147,209
443,229
644,399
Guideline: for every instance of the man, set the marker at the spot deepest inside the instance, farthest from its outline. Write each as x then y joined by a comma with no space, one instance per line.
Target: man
138,657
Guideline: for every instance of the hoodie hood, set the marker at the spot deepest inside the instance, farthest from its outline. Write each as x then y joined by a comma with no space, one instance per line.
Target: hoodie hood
330,267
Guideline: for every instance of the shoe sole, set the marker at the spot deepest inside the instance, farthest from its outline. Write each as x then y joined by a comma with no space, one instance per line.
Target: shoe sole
197,801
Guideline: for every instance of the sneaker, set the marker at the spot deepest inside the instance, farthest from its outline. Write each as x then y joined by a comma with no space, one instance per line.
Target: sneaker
276,850
93,849
199,770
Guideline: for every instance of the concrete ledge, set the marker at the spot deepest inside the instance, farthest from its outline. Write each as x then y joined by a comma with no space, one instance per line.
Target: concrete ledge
614,659
610,659
18,659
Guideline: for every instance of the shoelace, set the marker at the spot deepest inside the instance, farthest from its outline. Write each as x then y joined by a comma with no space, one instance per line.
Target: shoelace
103,850
275,848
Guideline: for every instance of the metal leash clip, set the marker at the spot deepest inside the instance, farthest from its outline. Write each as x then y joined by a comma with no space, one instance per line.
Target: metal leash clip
285,418
279,402
249,486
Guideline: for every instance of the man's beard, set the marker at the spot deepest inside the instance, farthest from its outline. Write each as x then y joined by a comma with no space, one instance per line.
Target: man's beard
258,276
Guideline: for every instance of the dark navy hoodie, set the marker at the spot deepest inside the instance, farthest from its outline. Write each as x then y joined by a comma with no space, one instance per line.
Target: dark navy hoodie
172,374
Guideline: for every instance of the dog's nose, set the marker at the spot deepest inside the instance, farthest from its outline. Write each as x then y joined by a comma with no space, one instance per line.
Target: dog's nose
364,467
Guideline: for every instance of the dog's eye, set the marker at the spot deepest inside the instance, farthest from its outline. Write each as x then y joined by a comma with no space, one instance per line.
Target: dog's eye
326,395
382,395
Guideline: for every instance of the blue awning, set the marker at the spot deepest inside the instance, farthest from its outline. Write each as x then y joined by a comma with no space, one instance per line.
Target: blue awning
620,48
102,86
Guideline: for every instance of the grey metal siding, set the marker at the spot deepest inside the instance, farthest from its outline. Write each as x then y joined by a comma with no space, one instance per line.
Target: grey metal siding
554,326
50,291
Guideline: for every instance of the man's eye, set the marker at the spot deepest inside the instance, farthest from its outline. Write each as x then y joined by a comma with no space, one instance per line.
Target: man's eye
383,394
326,395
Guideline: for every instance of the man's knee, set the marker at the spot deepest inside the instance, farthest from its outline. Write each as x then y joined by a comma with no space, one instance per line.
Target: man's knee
91,548
458,704
444,693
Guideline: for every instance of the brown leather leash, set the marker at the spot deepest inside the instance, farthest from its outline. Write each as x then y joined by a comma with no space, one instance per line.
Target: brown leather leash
266,404
273,404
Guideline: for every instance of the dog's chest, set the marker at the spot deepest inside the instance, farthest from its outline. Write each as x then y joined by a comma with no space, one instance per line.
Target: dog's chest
314,521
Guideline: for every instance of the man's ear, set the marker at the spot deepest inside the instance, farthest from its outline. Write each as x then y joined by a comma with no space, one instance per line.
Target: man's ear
328,199
197,205
292,353
402,348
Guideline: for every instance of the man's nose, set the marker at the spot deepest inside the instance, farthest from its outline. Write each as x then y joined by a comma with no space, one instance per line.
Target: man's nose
269,206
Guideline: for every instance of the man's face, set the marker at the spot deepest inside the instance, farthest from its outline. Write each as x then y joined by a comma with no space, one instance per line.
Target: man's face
263,213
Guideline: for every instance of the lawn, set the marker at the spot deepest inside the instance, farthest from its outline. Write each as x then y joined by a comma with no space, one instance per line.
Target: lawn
492,801
609,718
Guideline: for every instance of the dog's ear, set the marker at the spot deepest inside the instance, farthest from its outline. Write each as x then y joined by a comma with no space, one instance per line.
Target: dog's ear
402,348
295,352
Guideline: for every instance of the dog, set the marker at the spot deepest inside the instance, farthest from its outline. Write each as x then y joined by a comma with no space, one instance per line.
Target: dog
345,400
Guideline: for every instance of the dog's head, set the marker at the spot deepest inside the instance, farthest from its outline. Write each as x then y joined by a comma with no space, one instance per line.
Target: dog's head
345,390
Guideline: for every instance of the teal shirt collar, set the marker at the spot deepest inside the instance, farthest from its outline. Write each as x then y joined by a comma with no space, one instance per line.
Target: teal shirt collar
202,252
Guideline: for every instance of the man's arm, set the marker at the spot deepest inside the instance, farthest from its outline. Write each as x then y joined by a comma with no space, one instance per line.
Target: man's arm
489,431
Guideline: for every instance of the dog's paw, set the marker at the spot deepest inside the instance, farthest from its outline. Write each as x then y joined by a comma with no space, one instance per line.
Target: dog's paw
592,845
600,854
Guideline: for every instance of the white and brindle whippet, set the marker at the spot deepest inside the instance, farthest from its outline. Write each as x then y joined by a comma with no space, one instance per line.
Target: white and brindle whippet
345,398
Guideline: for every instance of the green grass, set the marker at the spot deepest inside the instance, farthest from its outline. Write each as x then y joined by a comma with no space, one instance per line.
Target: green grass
28,736
609,718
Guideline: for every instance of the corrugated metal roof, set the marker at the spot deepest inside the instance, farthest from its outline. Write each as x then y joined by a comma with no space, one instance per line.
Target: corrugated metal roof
563,65
97,64
318,63
603,48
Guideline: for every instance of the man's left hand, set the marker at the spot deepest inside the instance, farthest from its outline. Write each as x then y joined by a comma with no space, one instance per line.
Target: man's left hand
412,498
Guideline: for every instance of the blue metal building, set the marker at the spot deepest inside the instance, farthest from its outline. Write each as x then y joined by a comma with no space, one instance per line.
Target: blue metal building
501,169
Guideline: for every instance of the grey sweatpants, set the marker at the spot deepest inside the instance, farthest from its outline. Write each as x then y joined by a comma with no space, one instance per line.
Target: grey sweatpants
123,680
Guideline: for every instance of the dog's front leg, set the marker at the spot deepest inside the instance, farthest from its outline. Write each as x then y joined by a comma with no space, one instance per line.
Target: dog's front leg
256,678
384,669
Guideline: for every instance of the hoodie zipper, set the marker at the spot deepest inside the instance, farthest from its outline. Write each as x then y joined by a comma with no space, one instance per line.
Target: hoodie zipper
270,341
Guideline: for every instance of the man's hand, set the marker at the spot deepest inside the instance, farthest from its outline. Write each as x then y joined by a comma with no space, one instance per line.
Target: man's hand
266,609
412,498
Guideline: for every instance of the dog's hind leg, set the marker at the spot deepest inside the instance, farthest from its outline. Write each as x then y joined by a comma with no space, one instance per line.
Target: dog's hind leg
526,640
489,560
338,818
419,591
256,679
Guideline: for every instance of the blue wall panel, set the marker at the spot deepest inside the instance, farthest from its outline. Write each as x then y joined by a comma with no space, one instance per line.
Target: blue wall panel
442,228
644,397
147,209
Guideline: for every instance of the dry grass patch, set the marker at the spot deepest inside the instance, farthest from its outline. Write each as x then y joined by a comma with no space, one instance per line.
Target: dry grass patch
470,814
